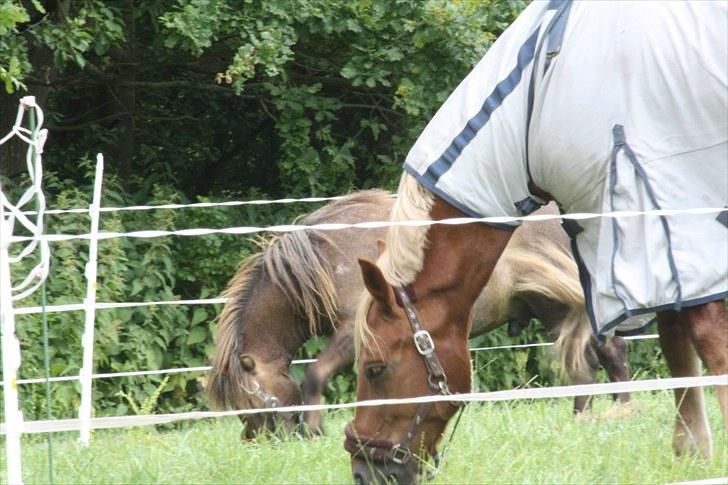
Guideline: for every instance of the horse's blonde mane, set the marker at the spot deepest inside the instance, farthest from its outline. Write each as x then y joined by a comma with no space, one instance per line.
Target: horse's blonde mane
405,245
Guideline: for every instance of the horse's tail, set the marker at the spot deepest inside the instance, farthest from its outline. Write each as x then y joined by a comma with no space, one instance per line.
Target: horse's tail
224,387
553,274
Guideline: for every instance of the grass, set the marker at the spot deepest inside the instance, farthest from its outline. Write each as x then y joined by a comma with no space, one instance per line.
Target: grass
518,442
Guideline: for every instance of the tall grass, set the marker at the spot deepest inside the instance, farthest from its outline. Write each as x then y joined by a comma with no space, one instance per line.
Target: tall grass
518,442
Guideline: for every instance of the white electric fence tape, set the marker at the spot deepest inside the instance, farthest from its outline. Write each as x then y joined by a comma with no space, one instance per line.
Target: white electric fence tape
197,205
508,395
179,370
365,225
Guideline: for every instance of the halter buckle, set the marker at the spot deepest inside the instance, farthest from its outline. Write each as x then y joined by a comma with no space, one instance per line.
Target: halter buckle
399,454
423,342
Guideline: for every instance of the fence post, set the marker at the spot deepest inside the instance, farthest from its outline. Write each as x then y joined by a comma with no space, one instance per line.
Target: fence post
11,359
35,137
84,411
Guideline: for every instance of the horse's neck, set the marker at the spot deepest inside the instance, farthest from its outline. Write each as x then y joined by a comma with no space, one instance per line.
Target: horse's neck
275,322
459,259
491,308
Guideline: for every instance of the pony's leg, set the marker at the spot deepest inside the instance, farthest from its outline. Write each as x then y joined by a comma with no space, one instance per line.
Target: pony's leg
336,355
692,433
585,375
612,356
709,332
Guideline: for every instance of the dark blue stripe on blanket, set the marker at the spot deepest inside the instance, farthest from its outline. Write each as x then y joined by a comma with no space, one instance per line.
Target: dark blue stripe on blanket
492,102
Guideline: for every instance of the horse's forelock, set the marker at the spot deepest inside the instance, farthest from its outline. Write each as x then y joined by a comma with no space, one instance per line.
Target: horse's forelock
223,387
402,259
404,249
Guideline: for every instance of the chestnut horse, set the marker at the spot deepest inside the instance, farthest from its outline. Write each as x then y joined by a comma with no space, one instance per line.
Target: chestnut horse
307,283
657,139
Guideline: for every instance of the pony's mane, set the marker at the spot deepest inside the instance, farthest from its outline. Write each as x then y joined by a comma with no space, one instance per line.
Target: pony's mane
296,264
404,249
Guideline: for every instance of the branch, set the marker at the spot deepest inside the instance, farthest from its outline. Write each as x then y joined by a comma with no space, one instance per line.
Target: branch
370,106
81,126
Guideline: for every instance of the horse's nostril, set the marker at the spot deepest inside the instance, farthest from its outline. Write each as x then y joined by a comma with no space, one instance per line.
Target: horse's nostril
358,479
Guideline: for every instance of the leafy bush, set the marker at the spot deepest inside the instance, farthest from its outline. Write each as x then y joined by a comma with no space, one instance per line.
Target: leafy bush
129,270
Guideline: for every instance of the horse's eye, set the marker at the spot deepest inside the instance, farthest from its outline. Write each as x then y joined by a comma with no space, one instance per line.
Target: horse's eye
374,371
247,362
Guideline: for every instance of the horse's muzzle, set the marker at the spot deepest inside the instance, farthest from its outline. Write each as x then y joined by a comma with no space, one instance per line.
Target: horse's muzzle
367,473
378,461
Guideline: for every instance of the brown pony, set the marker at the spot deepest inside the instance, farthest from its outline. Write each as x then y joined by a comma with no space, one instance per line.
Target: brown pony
307,283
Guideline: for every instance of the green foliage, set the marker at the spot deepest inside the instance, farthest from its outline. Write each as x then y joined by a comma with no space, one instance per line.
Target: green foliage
153,337
95,28
295,97
14,62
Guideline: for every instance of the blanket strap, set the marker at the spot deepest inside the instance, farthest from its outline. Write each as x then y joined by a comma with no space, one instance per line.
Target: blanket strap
554,32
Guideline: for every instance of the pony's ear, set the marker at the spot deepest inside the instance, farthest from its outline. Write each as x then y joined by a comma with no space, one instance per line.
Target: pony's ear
375,283
381,246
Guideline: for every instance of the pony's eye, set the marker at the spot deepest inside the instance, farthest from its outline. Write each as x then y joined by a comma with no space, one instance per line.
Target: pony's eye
247,362
374,371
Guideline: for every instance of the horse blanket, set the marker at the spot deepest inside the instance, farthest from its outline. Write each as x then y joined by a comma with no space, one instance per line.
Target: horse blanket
605,106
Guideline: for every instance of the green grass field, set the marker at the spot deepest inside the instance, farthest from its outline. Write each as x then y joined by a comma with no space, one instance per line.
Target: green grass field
520,442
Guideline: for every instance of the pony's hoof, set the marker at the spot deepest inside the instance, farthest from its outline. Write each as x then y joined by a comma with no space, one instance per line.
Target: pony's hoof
312,431
585,416
620,410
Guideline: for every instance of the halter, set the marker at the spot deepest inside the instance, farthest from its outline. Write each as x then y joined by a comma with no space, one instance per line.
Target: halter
269,400
385,451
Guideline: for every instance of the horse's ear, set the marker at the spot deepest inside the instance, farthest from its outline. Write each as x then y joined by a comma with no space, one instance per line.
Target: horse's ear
375,283
381,246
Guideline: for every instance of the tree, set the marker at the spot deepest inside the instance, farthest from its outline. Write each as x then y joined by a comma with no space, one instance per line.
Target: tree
294,96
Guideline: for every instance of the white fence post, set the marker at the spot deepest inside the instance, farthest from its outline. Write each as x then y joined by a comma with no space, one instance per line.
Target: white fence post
10,213
11,360
84,411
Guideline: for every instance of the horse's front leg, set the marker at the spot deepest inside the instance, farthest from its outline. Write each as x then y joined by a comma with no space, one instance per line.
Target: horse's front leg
692,433
587,374
612,356
336,355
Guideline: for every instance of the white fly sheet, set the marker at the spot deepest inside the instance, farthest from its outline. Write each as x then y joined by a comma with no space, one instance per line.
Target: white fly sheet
606,106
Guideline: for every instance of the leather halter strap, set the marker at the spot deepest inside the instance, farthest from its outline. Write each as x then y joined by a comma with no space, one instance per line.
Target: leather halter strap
269,401
385,451
436,378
